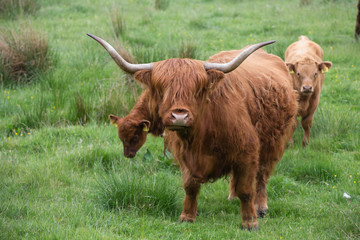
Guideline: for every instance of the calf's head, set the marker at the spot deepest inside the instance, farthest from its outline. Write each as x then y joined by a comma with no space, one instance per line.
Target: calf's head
131,132
179,87
306,75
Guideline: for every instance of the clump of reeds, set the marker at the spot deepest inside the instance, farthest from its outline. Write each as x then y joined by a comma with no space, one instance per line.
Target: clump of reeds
14,8
162,4
304,2
118,21
23,55
187,50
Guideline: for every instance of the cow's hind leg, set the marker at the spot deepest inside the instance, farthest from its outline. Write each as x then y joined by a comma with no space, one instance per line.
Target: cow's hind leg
268,158
192,189
244,183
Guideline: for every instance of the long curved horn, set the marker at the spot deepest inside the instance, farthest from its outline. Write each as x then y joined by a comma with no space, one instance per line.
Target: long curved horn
228,67
123,64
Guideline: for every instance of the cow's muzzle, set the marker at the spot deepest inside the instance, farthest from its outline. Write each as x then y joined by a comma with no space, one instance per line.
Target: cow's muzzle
129,153
178,120
307,89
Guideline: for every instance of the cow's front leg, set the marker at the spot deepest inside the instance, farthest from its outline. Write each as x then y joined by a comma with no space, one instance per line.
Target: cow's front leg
192,189
306,123
244,182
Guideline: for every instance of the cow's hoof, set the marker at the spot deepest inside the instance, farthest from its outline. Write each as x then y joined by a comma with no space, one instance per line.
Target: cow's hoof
232,195
250,226
261,213
186,218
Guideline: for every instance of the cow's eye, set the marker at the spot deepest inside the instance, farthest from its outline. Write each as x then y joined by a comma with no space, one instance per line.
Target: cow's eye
315,75
298,74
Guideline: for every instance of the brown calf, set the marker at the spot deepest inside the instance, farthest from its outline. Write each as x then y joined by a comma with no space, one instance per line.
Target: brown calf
304,59
134,127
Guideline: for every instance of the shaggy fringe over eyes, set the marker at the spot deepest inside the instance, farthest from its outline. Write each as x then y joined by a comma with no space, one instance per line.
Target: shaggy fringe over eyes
180,78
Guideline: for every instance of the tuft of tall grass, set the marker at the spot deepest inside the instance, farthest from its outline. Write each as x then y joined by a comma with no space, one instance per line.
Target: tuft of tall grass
187,50
131,190
14,8
118,21
117,98
304,2
23,55
162,4
126,53
146,55
81,111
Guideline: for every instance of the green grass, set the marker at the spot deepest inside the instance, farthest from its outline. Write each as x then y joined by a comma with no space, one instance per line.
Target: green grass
62,173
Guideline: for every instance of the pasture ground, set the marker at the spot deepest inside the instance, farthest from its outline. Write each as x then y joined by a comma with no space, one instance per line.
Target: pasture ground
62,173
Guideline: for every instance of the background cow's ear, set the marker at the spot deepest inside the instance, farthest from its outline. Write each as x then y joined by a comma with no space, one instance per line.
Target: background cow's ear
291,67
145,124
214,76
324,66
113,119
143,76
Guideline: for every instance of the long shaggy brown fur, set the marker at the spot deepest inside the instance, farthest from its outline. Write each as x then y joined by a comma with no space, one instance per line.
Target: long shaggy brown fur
239,123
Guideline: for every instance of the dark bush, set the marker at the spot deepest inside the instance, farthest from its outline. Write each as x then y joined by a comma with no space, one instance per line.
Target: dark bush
23,55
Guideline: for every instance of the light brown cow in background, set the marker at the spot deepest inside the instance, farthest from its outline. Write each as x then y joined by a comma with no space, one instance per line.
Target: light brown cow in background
304,59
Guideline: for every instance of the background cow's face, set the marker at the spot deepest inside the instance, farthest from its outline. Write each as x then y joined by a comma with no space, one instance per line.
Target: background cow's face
307,75
132,133
179,87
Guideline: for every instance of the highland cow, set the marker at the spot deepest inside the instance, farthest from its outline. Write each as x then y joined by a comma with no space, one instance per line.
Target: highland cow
226,117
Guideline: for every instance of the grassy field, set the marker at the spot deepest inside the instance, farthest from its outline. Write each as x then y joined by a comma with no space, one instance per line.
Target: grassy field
62,173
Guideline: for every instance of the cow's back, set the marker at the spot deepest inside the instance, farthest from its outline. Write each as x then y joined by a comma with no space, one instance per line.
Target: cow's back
263,81
303,48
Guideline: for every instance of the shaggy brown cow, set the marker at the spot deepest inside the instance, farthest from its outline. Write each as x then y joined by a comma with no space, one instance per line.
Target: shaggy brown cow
357,23
134,127
228,119
304,59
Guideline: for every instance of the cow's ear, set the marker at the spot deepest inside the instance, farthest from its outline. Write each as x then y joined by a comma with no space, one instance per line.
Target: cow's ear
145,124
291,68
324,66
114,119
144,77
214,76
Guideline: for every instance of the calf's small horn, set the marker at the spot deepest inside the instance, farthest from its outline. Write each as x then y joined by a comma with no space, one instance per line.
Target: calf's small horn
121,62
230,66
